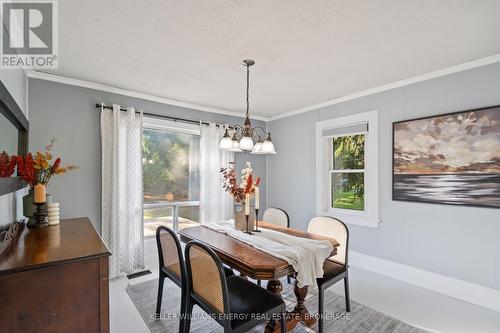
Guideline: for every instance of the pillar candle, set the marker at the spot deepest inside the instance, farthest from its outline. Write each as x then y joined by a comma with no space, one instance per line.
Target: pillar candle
256,197
39,196
247,204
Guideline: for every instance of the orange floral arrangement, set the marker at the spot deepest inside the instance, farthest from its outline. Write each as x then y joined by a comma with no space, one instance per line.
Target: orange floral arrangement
38,169
247,185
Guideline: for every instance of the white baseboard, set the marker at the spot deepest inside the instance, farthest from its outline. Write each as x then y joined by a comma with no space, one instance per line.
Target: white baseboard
466,291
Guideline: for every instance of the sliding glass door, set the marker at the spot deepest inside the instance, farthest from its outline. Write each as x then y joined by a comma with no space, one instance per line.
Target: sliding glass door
171,177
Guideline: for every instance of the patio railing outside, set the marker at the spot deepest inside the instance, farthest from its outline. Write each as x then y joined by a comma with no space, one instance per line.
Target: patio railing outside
176,215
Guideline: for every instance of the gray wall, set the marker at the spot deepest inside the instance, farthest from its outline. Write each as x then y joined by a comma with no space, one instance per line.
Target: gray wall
67,113
460,242
17,84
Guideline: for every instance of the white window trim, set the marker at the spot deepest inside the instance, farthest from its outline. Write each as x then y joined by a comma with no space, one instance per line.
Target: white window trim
170,125
369,217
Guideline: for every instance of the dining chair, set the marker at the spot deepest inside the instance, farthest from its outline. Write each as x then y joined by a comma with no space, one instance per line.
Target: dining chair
172,266
336,267
234,302
279,217
276,216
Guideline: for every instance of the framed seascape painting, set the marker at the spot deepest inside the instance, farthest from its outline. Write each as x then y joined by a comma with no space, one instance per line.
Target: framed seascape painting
448,159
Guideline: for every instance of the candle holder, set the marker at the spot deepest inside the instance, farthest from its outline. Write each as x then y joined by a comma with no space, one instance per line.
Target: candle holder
247,217
40,216
257,220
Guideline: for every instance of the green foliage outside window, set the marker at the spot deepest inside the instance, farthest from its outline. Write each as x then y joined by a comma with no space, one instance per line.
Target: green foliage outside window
166,165
348,187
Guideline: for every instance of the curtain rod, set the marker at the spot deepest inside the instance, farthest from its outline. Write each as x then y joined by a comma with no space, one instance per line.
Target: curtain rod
182,120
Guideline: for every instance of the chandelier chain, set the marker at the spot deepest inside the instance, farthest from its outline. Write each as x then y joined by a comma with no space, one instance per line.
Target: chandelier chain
248,88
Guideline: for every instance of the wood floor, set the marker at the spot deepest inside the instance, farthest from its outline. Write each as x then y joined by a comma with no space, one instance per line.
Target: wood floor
414,305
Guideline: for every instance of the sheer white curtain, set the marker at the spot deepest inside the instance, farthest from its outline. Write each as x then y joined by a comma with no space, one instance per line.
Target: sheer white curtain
122,219
215,203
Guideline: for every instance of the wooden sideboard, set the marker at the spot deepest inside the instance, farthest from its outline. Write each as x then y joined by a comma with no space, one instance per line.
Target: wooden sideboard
55,279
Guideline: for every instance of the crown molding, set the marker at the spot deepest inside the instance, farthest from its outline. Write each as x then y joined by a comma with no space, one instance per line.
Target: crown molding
120,91
397,84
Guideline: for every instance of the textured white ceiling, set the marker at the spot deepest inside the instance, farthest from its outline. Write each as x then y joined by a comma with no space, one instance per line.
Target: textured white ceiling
306,52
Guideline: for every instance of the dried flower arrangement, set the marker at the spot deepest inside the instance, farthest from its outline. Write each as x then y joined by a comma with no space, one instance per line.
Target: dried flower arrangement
38,170
247,185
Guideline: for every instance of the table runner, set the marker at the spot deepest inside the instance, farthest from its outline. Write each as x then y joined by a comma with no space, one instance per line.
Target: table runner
305,255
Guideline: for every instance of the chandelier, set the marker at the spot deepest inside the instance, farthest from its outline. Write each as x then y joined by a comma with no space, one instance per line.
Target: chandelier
247,138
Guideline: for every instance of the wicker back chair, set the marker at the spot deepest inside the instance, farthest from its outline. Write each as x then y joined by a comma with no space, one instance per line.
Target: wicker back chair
336,267
207,278
171,265
222,297
170,254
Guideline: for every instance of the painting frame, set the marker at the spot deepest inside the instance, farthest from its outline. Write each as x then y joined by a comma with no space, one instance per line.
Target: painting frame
422,200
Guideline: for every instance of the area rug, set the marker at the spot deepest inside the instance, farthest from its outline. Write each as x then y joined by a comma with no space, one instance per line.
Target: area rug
361,318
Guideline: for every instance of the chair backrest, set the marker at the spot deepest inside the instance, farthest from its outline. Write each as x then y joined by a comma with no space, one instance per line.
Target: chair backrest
207,280
276,216
170,252
331,227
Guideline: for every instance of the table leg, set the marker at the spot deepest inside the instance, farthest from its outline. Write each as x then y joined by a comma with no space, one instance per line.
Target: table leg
299,313
275,287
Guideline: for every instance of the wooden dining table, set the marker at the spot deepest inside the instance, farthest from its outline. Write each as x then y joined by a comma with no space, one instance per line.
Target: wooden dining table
259,265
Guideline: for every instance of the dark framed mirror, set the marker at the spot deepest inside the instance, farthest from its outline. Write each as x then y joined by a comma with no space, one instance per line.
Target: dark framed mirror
14,129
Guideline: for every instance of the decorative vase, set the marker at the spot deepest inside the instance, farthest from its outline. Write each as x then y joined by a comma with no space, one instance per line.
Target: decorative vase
29,208
240,221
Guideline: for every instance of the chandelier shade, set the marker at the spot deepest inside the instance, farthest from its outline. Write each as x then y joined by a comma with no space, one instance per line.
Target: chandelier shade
235,145
246,143
257,148
268,147
226,142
